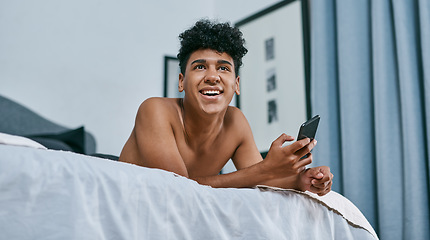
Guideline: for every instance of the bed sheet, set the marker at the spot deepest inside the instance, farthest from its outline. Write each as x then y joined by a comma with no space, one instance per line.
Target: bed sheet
48,194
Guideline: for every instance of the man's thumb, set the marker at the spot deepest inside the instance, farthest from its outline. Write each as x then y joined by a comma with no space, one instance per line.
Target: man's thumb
282,139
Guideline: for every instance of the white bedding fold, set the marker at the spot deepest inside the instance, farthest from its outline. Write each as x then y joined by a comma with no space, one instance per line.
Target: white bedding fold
335,202
8,139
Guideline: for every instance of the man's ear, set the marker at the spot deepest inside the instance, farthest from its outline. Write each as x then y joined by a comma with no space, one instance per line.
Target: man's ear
237,90
181,82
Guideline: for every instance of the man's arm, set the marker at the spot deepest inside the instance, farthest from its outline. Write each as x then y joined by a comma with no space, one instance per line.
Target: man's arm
280,168
295,175
279,172
152,142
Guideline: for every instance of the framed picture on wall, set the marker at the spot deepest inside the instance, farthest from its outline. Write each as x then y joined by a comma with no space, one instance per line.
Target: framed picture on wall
273,81
171,77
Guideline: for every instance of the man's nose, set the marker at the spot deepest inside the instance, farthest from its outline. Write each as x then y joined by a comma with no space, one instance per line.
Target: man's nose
212,76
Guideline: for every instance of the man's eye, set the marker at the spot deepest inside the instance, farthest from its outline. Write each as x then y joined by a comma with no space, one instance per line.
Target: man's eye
199,67
224,68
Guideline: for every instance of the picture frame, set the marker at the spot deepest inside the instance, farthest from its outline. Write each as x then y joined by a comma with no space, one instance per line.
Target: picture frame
274,78
171,77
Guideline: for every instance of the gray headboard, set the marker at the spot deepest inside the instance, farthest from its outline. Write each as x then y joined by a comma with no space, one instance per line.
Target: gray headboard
18,120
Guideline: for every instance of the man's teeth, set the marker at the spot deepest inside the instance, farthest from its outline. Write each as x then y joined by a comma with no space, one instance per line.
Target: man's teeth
211,92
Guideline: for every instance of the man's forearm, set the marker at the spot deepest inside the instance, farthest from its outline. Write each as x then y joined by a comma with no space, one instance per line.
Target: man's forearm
248,177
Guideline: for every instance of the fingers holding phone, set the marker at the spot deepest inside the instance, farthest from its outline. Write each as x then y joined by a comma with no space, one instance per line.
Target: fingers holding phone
305,151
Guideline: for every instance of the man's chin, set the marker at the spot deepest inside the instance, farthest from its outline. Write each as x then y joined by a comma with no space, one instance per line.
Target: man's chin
213,109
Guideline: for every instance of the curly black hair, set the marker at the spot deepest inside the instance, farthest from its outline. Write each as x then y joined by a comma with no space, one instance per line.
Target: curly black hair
220,37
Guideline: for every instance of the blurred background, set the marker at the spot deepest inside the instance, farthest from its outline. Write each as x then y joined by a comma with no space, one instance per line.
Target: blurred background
93,62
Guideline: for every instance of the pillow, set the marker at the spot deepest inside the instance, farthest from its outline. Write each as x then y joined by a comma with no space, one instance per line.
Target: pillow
8,139
71,140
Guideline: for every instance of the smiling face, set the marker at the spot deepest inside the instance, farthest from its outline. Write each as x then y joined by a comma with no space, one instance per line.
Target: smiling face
209,81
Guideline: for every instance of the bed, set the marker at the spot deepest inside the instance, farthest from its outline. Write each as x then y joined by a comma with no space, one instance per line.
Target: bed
61,194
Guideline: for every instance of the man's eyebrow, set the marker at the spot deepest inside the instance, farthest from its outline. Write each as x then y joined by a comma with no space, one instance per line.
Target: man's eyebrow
204,61
225,62
199,61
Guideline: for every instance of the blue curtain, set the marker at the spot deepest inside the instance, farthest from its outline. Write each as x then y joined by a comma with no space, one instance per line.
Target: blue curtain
370,82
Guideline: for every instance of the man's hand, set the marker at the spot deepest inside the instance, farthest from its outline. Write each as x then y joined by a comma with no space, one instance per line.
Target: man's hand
285,161
317,180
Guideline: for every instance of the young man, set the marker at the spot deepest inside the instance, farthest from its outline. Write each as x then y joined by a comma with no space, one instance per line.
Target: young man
197,135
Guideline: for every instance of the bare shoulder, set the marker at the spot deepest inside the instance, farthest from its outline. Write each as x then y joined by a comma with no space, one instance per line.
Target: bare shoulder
237,124
156,107
157,113
235,117
159,103
152,141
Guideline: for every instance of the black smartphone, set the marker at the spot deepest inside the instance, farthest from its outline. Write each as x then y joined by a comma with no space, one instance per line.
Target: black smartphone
309,128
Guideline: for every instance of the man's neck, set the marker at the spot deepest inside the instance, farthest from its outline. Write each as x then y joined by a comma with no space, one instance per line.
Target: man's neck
200,128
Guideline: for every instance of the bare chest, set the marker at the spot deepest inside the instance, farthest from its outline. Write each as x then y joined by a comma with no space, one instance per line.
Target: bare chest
207,159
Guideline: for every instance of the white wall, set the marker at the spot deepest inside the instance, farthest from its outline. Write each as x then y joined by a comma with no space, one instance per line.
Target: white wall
92,62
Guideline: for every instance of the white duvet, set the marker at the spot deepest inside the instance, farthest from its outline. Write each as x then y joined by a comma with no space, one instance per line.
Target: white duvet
47,194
